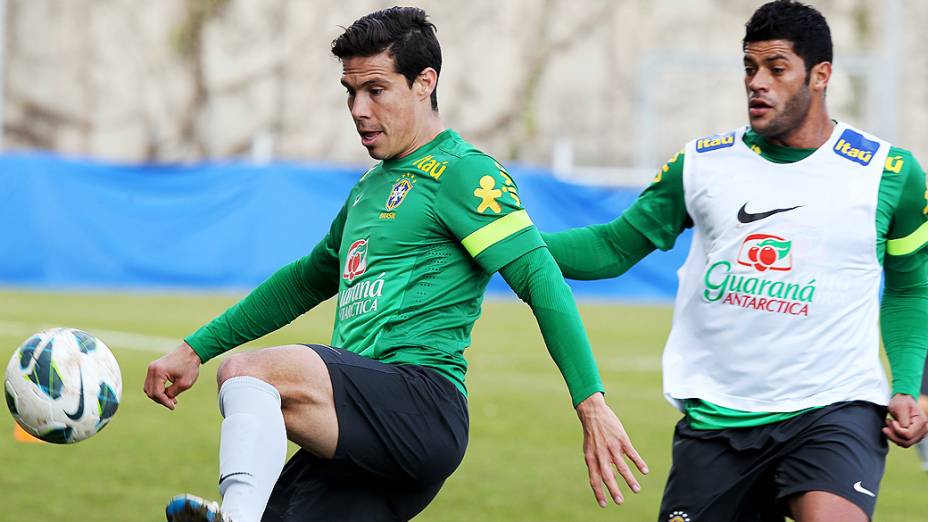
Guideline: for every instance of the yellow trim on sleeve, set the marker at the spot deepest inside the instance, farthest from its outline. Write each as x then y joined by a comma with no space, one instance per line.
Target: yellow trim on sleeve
488,235
904,246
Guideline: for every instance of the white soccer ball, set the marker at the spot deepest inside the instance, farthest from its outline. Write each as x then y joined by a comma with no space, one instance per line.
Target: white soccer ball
63,385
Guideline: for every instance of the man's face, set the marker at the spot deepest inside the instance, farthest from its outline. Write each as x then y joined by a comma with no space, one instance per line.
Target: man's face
382,104
777,86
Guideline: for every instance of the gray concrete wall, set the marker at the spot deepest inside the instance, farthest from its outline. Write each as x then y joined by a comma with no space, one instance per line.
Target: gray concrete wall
626,82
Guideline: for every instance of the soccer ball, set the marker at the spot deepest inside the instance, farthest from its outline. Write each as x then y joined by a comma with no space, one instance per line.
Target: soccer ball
63,385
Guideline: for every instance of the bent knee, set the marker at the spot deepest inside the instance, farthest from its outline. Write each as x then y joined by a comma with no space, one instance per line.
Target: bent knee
234,366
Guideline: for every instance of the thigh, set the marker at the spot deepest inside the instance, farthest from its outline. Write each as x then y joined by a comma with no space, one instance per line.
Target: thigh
396,422
306,397
317,489
841,451
712,480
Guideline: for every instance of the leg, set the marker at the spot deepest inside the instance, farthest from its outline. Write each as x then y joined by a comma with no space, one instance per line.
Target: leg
821,506
302,379
834,469
327,490
738,485
266,396
402,430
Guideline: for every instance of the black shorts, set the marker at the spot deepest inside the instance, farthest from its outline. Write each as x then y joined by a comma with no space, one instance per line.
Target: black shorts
402,430
746,474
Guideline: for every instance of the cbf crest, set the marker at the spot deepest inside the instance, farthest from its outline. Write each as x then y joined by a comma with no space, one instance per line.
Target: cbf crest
401,187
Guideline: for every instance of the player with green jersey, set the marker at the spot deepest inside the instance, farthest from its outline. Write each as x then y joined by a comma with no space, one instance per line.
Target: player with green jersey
773,355
381,414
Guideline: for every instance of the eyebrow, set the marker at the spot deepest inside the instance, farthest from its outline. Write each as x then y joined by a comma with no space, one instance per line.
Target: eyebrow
766,59
364,83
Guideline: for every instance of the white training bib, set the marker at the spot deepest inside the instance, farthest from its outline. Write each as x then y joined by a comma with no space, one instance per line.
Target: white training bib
778,304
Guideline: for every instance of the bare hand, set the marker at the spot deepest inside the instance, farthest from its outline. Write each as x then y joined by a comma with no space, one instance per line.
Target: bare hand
605,444
907,425
180,367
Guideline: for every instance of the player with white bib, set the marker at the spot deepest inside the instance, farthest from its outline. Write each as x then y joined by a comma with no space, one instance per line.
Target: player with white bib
773,356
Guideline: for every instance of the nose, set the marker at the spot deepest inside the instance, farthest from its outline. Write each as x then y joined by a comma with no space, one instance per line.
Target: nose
359,105
759,82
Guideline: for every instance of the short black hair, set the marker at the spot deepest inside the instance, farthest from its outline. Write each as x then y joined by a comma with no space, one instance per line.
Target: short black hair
404,32
798,23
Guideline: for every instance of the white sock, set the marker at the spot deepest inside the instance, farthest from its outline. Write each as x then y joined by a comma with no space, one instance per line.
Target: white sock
252,446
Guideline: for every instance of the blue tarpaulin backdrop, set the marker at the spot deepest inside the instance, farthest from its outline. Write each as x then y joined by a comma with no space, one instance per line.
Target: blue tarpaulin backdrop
73,224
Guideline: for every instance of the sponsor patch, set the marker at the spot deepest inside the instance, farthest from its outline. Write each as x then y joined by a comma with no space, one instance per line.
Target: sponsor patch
488,194
719,141
853,146
355,260
766,252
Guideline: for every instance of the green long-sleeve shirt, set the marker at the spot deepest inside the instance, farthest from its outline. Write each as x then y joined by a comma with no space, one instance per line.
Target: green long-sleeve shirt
409,257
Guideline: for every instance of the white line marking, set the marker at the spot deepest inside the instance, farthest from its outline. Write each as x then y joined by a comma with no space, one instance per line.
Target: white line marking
112,338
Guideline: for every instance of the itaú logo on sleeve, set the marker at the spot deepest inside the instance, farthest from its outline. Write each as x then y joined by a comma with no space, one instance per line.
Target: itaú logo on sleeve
355,260
766,252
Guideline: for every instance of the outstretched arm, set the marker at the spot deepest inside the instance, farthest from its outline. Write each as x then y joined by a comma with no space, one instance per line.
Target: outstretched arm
535,278
608,250
287,294
598,251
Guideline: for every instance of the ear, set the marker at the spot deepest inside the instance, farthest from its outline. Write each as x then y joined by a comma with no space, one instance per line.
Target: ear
819,76
425,83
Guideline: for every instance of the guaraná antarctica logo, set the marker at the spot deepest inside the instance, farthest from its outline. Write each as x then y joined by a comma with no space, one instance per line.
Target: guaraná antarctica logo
364,296
766,254
356,260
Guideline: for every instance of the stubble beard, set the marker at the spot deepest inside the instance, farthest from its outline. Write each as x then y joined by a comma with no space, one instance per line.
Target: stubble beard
790,118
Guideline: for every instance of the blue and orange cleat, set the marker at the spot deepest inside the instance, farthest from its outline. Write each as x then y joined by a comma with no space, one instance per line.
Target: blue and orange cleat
191,508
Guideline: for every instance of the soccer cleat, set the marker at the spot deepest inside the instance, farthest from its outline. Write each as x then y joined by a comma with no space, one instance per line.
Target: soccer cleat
922,447
191,508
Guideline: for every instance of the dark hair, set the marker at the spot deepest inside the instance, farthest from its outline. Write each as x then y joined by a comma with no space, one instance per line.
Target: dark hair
798,23
404,32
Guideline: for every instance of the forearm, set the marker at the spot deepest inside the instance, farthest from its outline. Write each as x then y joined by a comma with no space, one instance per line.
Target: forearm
904,322
535,278
287,294
598,251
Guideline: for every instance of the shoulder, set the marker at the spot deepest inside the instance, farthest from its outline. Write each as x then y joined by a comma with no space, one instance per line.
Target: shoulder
901,162
468,165
714,142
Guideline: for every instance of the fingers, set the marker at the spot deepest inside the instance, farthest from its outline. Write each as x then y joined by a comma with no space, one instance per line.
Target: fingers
608,477
905,436
636,458
155,390
624,470
596,483
600,465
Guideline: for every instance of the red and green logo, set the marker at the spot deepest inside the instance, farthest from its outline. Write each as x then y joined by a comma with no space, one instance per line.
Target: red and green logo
356,260
766,252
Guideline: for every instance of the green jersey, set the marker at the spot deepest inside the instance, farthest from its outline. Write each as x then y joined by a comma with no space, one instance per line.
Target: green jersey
417,241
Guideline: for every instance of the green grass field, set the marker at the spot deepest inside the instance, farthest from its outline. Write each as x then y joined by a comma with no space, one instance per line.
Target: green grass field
524,461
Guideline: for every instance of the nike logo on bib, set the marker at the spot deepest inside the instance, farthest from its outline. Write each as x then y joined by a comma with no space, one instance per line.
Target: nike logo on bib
860,489
747,217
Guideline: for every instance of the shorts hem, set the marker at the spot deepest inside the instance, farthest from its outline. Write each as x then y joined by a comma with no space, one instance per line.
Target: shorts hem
827,488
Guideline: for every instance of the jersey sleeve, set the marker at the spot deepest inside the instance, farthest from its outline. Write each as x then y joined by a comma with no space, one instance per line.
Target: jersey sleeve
479,203
908,230
659,213
288,293
904,309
